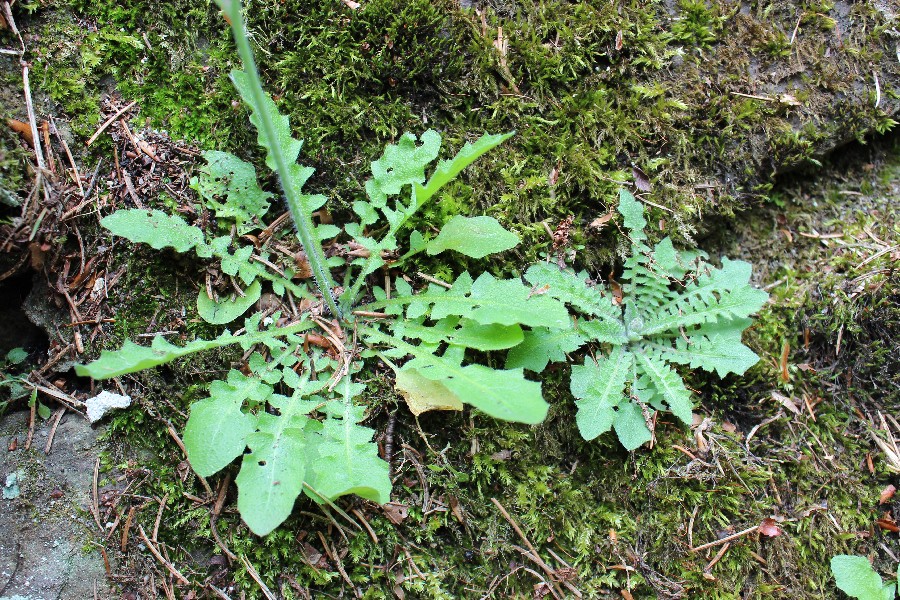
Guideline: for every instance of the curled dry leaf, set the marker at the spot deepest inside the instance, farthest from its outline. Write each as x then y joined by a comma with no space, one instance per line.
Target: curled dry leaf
888,523
396,512
769,528
641,181
23,129
886,494
456,509
786,402
598,223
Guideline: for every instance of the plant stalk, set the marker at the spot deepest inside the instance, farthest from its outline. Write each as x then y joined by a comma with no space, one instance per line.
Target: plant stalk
302,221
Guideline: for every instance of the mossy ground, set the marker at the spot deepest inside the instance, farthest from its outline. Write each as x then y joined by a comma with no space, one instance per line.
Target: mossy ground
593,90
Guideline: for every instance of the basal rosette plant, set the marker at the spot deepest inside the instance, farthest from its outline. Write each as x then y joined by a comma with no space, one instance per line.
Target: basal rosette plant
676,308
295,407
292,413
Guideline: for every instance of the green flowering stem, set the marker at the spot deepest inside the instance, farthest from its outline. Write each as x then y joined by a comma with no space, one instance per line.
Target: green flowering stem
303,221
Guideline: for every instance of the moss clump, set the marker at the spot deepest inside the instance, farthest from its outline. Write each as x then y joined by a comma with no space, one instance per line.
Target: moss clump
692,93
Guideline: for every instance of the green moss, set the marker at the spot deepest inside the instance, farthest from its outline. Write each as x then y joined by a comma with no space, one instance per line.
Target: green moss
591,89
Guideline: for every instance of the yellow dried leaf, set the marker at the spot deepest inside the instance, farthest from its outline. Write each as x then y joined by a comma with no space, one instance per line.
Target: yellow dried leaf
422,394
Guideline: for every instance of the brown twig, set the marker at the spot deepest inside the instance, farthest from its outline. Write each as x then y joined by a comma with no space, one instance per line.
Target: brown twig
365,523
214,516
534,553
180,444
333,555
32,121
159,514
31,419
717,557
691,526
371,314
56,418
124,541
7,14
251,570
95,495
726,539
72,403
115,525
169,566
71,159
434,280
109,122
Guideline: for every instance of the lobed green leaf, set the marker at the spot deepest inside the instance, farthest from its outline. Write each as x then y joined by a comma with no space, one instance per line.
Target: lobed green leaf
155,228
486,300
227,310
666,384
542,345
347,460
572,289
600,388
402,164
228,185
447,170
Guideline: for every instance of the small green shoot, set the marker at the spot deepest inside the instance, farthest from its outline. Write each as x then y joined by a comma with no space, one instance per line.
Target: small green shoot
13,386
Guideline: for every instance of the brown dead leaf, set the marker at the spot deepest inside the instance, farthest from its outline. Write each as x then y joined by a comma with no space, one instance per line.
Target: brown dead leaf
554,176
617,293
396,512
886,494
312,555
23,129
352,4
769,528
786,402
619,40
303,270
502,455
888,523
38,253
455,509
561,234
598,223
641,181
729,427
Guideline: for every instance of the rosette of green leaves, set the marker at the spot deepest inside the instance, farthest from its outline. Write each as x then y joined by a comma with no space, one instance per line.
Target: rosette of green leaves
676,309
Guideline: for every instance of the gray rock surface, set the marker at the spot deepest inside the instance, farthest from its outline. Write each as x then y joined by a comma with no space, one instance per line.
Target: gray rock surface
46,530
